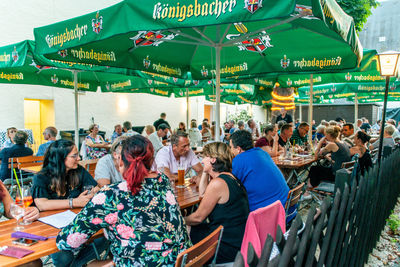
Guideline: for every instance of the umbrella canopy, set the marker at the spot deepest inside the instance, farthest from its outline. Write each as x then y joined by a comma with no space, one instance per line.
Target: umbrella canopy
211,39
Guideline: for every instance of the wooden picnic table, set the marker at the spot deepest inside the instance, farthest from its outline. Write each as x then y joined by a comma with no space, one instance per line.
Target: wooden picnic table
42,248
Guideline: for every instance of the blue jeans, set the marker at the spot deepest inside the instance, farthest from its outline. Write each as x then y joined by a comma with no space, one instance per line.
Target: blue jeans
86,254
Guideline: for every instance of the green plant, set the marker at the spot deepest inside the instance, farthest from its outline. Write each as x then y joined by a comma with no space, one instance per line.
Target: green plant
239,116
394,223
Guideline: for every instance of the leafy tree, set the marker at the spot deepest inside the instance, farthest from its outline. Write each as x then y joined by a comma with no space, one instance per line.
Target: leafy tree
240,116
360,10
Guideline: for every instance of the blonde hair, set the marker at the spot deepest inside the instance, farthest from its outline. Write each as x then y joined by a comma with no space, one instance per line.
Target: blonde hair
332,131
389,129
149,128
223,155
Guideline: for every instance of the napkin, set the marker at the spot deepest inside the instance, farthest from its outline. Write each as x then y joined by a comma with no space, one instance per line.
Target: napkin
15,252
28,236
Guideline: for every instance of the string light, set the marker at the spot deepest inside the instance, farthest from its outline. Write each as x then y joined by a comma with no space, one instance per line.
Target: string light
282,103
279,97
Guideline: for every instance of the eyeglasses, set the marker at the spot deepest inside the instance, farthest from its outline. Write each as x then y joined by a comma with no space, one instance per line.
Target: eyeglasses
74,156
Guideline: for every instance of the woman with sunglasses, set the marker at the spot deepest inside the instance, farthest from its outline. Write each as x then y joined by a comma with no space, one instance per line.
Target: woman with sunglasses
61,185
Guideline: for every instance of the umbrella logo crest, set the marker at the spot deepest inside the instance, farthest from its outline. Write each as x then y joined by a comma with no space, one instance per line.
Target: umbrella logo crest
256,80
348,76
146,62
54,79
63,53
15,54
151,38
97,23
333,89
252,5
204,72
289,82
175,79
150,81
108,86
180,93
209,82
151,89
257,44
196,82
285,62
393,86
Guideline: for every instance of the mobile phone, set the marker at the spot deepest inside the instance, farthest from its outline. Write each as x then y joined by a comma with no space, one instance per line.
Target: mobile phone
24,242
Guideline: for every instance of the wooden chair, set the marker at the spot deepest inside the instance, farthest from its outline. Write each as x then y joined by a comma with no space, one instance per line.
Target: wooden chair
89,165
293,198
202,252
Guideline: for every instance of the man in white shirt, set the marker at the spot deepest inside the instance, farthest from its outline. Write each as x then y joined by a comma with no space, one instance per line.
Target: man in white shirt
156,137
178,154
107,170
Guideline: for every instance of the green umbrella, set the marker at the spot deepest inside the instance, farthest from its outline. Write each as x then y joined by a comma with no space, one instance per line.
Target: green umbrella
211,39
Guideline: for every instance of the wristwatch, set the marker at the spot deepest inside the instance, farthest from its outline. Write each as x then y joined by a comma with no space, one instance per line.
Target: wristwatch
70,203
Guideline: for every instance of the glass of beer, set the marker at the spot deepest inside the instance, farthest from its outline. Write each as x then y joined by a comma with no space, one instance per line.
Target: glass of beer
181,177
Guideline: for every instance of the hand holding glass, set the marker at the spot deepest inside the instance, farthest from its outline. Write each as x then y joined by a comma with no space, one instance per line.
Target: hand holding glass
17,212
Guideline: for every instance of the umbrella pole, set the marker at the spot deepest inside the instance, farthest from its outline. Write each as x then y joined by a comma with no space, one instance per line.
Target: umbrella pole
310,110
300,113
76,108
383,121
355,109
218,93
187,108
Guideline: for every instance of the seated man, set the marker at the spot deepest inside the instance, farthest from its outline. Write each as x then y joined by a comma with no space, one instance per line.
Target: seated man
178,154
17,150
299,136
387,138
286,133
348,134
156,137
107,170
127,128
117,132
260,176
49,134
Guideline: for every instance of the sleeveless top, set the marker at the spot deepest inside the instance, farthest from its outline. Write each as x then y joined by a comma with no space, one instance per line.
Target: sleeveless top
232,215
340,156
95,152
365,162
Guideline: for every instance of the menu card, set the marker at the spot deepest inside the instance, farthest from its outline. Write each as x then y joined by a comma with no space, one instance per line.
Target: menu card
59,220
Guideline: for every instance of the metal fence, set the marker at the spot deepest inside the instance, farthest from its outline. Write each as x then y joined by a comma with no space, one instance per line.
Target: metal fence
346,230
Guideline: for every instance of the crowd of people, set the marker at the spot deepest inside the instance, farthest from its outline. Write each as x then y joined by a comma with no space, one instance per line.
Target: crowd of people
131,194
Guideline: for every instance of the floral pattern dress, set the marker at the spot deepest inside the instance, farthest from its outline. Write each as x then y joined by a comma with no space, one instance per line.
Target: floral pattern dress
144,230
95,152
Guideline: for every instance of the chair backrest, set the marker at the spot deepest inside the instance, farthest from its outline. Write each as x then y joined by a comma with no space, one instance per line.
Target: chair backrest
294,196
12,163
348,165
202,252
89,165
29,161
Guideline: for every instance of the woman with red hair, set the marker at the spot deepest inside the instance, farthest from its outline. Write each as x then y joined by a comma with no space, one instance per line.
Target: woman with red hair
139,216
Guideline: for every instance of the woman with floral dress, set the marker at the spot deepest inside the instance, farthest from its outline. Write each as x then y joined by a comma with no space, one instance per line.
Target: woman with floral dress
139,216
95,144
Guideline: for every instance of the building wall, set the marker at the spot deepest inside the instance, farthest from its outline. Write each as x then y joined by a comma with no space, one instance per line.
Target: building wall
331,112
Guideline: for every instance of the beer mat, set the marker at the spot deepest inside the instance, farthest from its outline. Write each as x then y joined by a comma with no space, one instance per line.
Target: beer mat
28,236
15,252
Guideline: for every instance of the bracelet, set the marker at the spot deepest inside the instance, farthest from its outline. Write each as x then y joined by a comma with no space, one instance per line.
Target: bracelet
70,203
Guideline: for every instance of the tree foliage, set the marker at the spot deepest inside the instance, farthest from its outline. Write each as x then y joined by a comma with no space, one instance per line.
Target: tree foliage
360,10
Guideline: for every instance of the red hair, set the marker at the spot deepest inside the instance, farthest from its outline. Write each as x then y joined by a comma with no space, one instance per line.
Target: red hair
137,155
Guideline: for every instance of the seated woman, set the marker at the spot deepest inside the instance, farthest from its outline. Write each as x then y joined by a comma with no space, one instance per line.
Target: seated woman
194,135
61,185
140,215
205,132
181,128
360,147
95,144
269,142
339,153
224,202
10,137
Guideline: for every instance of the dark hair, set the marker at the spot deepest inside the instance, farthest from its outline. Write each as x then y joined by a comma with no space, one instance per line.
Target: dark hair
163,115
269,128
363,137
54,167
20,138
285,127
303,124
281,123
339,119
175,137
137,156
162,126
127,125
242,139
51,131
351,127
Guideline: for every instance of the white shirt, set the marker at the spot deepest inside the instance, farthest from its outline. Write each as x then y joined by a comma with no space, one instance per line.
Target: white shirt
194,137
130,133
165,158
156,141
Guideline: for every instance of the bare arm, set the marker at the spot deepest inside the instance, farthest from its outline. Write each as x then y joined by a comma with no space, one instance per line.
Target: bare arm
204,180
211,197
102,182
90,143
7,200
171,176
56,204
199,170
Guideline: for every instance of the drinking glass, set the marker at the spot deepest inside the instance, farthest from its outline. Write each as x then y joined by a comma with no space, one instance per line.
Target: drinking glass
17,212
88,188
24,200
181,177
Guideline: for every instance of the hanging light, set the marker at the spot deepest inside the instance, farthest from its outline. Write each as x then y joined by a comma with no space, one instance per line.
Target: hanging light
388,63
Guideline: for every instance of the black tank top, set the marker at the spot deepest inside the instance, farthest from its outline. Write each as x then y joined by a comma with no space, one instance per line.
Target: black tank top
232,215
